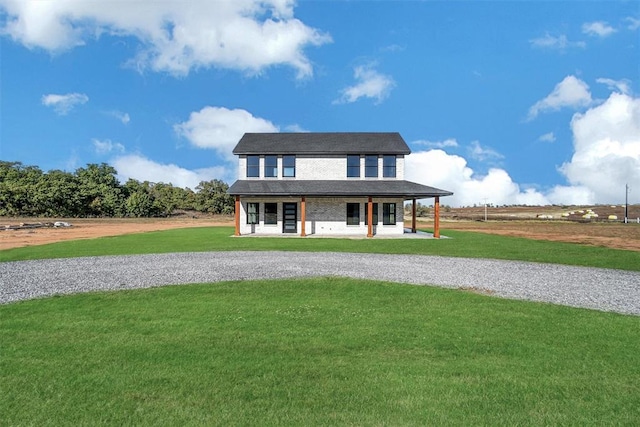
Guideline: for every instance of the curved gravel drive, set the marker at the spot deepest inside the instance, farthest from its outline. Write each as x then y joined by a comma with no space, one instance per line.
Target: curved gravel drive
595,288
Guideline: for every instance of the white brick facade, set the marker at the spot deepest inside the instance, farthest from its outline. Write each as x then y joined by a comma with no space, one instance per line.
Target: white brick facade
325,167
324,216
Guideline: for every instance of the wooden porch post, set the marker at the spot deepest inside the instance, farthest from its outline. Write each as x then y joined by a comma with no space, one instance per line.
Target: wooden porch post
413,216
237,215
303,216
436,218
370,218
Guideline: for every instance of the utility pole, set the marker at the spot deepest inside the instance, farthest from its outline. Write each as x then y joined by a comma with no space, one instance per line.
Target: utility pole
626,203
485,209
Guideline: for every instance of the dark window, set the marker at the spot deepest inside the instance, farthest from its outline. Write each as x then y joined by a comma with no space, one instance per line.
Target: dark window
353,166
288,166
371,166
271,166
366,213
252,213
353,213
389,166
253,166
270,213
389,213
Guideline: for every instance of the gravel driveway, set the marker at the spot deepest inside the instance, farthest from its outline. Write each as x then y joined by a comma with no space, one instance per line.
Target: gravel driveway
601,289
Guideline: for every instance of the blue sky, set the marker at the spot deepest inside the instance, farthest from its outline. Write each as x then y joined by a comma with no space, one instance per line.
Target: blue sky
515,102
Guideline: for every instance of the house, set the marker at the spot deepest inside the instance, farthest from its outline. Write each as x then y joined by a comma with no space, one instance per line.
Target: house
325,184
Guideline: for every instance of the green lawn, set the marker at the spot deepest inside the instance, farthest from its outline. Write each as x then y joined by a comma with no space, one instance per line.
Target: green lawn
324,351
460,244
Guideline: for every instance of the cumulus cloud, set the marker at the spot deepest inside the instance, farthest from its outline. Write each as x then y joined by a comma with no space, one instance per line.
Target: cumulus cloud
370,84
560,43
606,141
220,129
107,146
450,172
598,28
570,92
622,86
143,169
62,104
175,36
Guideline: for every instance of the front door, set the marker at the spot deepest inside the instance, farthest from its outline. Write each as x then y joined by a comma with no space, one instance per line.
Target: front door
289,225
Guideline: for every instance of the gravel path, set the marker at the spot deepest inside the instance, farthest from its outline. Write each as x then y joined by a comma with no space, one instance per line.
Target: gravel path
601,289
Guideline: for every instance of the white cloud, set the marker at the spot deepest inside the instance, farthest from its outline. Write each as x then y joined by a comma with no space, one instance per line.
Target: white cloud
560,42
107,146
606,141
142,169
447,143
570,92
622,86
547,137
634,23
175,36
62,104
480,153
370,84
598,28
220,129
450,172
119,115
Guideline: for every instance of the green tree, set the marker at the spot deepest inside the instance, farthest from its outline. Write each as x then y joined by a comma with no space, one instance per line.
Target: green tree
100,191
212,197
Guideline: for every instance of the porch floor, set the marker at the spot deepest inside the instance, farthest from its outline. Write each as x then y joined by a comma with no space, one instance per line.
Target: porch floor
406,235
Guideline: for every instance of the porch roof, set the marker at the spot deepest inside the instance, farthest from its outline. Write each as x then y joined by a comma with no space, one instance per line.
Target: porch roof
335,188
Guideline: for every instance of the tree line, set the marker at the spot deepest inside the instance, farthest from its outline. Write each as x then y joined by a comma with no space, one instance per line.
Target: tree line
94,191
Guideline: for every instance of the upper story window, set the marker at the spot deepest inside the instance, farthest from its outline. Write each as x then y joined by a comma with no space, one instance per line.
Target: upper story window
253,166
370,166
353,166
389,166
271,166
289,166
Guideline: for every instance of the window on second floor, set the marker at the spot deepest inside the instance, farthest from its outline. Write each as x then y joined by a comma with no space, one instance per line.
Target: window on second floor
271,166
353,166
253,166
289,166
389,166
371,166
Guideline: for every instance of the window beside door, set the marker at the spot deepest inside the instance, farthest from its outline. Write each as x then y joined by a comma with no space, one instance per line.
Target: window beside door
271,213
353,213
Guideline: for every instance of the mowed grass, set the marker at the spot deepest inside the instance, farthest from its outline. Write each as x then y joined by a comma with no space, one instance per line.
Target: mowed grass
460,244
323,351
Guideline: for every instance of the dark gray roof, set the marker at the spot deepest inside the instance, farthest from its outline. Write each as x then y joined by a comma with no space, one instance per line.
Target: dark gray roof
335,188
322,143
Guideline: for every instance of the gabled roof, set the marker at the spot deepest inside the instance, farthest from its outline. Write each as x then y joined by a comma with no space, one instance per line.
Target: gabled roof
322,143
335,188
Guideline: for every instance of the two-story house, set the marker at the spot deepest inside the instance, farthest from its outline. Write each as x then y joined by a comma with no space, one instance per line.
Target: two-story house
324,184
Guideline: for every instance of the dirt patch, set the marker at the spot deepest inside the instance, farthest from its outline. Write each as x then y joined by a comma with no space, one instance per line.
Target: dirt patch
611,235
91,228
